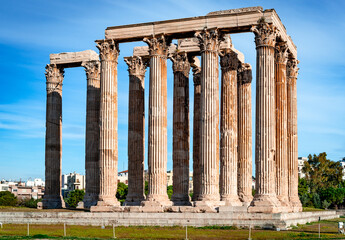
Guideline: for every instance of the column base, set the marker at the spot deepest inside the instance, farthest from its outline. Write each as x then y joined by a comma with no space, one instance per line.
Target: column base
134,200
53,202
265,204
295,204
285,203
245,199
230,200
106,205
181,200
157,200
90,200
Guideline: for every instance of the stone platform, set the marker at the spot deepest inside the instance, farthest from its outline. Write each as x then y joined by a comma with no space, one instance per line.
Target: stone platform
240,219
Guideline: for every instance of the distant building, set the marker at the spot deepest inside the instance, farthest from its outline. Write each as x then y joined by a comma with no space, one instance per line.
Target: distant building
37,182
72,181
23,192
342,162
301,161
123,177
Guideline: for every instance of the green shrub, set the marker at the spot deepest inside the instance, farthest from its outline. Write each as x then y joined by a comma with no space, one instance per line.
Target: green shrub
325,204
316,200
7,199
74,198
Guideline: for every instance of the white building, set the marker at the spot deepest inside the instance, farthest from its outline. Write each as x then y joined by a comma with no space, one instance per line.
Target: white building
71,182
37,182
342,162
301,161
123,177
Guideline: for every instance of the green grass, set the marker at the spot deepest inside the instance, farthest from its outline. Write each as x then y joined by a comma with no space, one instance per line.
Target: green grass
329,230
312,209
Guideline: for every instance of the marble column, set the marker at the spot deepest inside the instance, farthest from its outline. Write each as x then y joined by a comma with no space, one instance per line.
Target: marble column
136,130
52,196
209,104
281,124
244,93
265,199
157,131
181,68
108,152
196,133
292,140
92,69
228,129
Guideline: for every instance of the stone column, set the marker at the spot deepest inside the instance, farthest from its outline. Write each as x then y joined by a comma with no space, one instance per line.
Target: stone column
108,154
245,133
181,68
157,139
52,196
209,104
136,130
92,69
196,134
265,199
228,129
292,140
281,124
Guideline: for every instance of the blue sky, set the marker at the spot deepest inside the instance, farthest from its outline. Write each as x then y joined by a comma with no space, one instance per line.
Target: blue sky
31,30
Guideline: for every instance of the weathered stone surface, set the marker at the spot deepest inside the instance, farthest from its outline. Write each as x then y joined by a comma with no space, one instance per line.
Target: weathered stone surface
281,124
209,99
92,69
73,59
181,68
108,151
157,137
265,199
52,197
292,140
237,10
244,78
228,129
136,130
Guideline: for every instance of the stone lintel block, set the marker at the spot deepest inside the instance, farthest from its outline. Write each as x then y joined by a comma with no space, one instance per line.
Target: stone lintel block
73,59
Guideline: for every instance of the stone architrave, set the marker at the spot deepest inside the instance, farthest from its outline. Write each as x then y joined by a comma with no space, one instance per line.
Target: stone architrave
157,130
181,68
265,199
52,197
244,93
281,124
92,69
228,129
196,133
108,151
136,130
209,104
292,140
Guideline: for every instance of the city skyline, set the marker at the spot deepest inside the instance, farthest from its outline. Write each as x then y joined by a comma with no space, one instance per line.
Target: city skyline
29,34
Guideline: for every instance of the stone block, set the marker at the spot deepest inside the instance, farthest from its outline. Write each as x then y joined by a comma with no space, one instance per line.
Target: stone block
69,59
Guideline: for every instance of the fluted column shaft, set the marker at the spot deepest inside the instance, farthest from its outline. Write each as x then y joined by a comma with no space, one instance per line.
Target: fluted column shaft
136,130
209,99
228,129
265,199
181,68
157,138
245,133
196,134
281,123
53,150
292,140
108,151
92,69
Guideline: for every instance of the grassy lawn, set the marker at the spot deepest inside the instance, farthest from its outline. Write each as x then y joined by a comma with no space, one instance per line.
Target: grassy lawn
329,230
311,209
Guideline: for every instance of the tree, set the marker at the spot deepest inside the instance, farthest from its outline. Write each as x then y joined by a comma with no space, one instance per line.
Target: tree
170,191
7,199
74,198
122,191
322,173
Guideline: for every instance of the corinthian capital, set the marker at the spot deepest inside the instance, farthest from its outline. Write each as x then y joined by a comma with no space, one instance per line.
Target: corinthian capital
180,63
209,40
292,70
136,65
54,76
281,54
244,73
108,50
92,69
158,45
265,34
229,60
